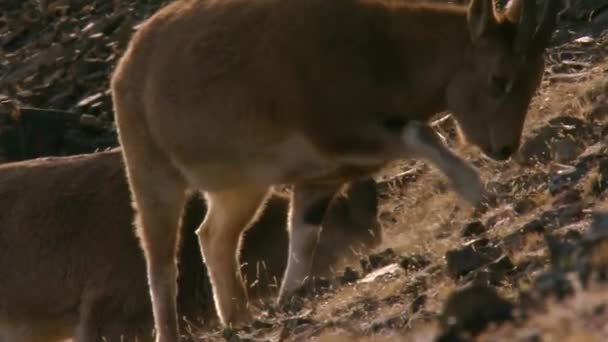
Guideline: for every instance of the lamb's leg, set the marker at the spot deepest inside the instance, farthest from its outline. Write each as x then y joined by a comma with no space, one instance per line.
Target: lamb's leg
229,213
421,141
308,206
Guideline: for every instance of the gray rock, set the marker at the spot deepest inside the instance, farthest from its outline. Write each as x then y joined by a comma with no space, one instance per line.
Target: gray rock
565,150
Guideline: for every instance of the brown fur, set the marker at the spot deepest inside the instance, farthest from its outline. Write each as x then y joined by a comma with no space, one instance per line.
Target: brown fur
230,97
70,263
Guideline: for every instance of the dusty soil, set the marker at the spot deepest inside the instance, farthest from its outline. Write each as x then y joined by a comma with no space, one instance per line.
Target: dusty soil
532,267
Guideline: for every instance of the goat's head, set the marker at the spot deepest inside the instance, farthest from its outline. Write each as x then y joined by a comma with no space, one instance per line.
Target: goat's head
503,67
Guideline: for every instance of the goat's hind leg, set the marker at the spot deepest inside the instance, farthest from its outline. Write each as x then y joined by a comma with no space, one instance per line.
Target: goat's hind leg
309,204
421,141
158,191
229,214
159,198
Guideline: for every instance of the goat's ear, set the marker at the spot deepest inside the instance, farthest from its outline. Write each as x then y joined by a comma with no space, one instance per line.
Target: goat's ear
523,14
480,17
548,21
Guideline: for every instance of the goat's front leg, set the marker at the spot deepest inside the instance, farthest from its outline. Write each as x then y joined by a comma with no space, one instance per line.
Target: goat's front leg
229,214
308,206
421,141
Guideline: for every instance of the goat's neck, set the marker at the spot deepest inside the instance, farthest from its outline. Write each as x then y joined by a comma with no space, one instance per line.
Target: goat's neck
435,41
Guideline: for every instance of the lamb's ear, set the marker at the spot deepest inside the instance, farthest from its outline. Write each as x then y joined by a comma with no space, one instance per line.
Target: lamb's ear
480,17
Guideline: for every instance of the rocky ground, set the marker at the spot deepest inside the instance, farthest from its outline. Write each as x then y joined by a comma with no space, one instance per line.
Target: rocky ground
530,268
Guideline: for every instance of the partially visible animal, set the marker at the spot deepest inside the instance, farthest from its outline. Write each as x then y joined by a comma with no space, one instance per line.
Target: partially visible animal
70,264
231,97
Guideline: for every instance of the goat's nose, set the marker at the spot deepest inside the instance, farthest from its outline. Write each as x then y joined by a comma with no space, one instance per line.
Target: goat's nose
503,153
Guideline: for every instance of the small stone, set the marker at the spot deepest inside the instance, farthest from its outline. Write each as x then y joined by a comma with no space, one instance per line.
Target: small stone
486,247
553,283
569,213
492,274
516,240
230,335
573,236
600,223
599,112
594,250
536,149
601,182
393,322
584,40
566,178
542,145
531,264
497,187
565,150
260,325
297,324
473,308
482,276
377,260
389,271
524,206
349,276
568,197
462,261
562,216
418,303
591,153
561,253
473,229
533,227
413,262
502,265
91,122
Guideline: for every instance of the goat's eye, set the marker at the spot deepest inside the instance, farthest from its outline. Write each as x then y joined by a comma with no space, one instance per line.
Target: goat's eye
499,84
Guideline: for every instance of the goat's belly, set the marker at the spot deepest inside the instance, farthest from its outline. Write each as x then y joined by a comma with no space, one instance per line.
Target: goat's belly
293,160
211,176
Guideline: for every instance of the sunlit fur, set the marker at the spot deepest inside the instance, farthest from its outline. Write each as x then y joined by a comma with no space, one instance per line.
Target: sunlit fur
232,96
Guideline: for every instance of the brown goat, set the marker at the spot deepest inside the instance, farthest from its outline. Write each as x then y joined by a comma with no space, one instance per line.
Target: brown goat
230,97
70,264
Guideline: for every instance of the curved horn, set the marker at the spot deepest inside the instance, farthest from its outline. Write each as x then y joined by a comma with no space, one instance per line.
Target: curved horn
513,10
547,25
